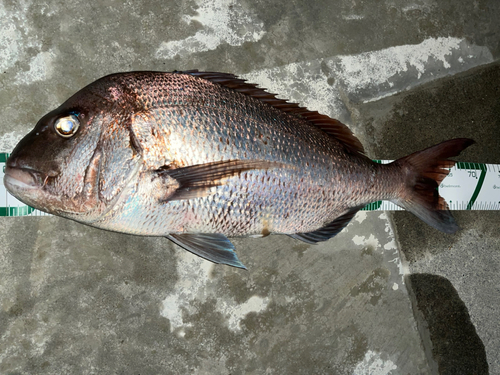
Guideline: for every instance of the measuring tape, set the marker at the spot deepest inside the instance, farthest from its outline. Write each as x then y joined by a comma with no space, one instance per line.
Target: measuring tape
468,186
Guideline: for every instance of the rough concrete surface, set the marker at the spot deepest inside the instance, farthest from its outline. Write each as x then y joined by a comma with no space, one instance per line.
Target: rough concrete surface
403,75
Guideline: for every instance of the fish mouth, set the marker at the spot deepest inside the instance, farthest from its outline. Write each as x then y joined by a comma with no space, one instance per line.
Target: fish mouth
22,179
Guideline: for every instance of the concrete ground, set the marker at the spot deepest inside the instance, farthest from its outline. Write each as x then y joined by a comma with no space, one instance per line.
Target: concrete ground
388,295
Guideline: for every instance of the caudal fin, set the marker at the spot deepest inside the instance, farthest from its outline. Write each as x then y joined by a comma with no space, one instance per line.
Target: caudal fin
424,172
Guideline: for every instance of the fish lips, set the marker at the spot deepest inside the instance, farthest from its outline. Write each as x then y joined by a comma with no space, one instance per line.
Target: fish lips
22,178
24,183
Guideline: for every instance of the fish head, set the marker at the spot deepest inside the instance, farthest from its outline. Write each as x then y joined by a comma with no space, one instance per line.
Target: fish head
79,157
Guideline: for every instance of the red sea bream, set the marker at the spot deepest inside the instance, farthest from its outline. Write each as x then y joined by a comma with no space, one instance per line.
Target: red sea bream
199,157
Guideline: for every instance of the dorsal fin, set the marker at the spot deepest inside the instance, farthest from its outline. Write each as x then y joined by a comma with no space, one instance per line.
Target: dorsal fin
332,127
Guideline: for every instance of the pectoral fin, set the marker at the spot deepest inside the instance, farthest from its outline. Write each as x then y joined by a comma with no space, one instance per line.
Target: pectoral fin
198,180
213,247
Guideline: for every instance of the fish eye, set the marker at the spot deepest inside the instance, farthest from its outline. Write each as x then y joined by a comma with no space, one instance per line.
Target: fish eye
67,126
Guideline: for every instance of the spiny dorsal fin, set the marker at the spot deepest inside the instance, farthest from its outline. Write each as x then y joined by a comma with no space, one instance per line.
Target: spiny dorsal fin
330,126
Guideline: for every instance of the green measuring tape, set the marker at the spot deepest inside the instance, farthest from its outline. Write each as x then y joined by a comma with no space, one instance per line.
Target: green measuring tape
468,186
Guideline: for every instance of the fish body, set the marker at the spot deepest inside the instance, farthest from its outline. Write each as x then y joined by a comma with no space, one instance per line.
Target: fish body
199,157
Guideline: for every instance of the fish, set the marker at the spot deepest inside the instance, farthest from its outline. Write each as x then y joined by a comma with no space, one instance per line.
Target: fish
198,157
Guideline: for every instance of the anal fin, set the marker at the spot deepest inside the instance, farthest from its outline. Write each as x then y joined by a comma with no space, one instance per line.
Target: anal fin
211,246
328,231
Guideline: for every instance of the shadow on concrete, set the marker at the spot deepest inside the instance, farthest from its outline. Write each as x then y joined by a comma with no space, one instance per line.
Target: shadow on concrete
449,337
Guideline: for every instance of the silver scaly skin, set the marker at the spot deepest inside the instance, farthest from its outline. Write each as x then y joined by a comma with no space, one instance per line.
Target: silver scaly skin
314,180
197,157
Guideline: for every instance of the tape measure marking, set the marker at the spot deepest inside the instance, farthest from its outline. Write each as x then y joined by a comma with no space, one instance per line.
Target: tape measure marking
479,185
16,211
468,186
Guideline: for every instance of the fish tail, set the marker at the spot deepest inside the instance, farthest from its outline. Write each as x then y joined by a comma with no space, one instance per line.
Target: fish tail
424,170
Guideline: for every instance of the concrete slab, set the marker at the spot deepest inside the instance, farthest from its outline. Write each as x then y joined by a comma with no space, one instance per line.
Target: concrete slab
76,299
79,300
